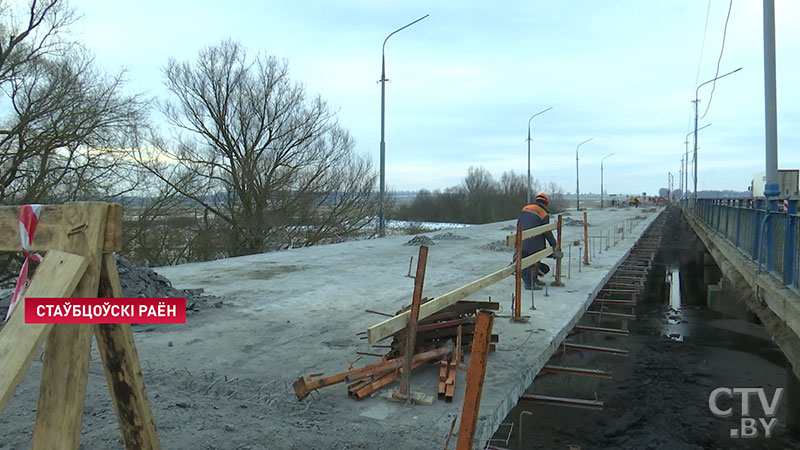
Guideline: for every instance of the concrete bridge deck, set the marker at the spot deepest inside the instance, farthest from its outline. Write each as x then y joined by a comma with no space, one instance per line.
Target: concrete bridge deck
298,312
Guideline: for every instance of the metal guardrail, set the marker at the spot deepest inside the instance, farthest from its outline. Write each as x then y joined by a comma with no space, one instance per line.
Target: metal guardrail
767,231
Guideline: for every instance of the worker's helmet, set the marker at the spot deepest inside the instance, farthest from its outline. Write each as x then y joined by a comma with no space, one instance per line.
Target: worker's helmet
542,198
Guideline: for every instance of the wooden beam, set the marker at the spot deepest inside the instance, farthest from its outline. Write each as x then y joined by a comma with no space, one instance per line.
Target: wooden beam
392,325
517,306
56,276
65,371
123,371
559,225
527,234
49,232
411,338
475,376
112,242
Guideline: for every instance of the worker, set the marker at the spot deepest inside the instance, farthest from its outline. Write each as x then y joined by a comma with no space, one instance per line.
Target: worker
532,216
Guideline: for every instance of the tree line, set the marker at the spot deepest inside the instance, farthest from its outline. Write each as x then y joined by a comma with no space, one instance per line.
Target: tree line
247,161
478,199
236,159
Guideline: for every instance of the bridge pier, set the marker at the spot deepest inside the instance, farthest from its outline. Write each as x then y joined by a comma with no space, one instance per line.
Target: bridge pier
728,300
777,307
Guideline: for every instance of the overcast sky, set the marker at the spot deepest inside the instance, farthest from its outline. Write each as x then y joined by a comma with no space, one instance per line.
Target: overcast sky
465,80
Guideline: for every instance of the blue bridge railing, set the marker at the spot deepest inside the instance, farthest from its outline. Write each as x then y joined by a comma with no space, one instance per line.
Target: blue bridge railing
767,231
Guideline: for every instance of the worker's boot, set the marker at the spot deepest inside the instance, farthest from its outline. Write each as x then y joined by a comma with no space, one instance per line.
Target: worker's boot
539,282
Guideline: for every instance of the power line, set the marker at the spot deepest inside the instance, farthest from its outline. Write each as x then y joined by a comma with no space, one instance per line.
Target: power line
703,46
700,61
721,51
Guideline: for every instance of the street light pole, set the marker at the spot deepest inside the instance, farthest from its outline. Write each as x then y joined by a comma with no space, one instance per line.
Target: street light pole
578,177
382,216
601,178
529,152
696,103
686,159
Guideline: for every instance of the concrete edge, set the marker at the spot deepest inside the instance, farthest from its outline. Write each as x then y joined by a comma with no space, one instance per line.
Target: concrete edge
492,424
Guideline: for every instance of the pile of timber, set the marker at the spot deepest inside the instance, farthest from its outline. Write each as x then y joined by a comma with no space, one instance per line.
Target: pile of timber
368,379
436,330
443,337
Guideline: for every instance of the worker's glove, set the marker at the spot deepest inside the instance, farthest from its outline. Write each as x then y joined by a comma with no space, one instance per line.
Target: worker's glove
557,254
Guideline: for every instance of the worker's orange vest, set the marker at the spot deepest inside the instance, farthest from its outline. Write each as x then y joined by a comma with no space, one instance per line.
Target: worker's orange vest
538,210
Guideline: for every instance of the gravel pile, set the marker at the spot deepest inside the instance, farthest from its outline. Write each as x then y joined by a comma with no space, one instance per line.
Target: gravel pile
144,282
497,246
569,222
449,236
421,240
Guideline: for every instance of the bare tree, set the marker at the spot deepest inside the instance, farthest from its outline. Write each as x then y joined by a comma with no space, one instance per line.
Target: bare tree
65,122
253,150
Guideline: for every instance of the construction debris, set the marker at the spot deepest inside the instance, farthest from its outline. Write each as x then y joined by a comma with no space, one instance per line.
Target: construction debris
143,282
443,327
496,246
449,236
368,379
420,240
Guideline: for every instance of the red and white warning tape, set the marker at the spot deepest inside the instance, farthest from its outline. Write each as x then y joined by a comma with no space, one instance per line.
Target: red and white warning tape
28,221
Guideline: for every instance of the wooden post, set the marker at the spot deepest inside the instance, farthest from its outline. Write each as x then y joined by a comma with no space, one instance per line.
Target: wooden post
79,239
518,275
123,371
56,276
585,239
558,261
411,339
475,376
65,371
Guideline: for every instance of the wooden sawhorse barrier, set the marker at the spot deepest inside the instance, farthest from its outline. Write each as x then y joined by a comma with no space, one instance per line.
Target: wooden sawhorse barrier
78,240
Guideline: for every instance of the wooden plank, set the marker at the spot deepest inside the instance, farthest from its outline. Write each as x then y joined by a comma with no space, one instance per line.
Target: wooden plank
56,276
527,234
394,324
559,228
443,368
585,239
123,371
112,242
419,280
49,231
65,371
517,308
475,377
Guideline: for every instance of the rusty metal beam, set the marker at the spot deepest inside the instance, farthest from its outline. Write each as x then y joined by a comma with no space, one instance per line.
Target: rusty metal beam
475,376
413,320
611,315
584,329
594,348
578,371
614,301
563,401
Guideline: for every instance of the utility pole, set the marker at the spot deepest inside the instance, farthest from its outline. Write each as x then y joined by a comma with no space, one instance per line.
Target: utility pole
771,188
383,80
578,177
529,152
696,102
686,172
